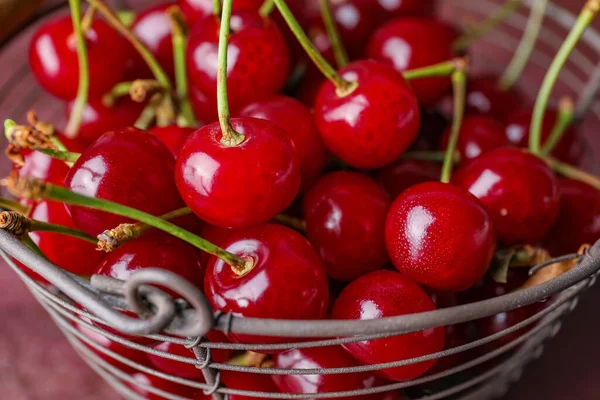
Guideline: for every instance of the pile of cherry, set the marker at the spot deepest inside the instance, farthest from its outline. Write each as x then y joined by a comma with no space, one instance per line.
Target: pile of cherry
316,205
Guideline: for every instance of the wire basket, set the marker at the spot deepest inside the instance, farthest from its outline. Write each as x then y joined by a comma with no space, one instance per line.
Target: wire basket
93,304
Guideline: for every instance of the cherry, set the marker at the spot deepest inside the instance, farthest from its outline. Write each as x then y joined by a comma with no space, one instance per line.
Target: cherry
128,166
195,10
433,125
441,236
402,8
383,294
155,382
172,136
258,62
478,134
283,271
243,381
297,120
409,43
375,123
214,235
518,190
216,184
53,58
578,220
403,174
345,221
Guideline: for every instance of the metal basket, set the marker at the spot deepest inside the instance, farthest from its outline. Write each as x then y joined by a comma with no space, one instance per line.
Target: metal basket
185,321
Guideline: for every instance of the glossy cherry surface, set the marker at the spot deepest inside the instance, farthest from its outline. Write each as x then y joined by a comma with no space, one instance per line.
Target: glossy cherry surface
244,381
375,123
286,272
258,62
403,174
383,294
195,10
441,236
217,184
172,136
518,190
297,120
127,166
409,43
478,134
345,221
53,58
160,384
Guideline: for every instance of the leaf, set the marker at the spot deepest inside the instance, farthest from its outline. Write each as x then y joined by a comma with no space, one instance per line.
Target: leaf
553,270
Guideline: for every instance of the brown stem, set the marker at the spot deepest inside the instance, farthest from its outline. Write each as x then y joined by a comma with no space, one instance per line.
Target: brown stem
141,89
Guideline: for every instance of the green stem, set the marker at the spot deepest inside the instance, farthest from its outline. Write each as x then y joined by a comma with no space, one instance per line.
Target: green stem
121,89
445,68
267,8
148,114
127,17
217,7
13,205
292,222
431,156
39,226
459,83
566,114
519,60
574,173
339,52
180,212
26,240
66,156
587,15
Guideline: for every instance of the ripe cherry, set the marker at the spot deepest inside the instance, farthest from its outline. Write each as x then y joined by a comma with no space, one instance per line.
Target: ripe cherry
283,271
374,124
383,294
403,8
478,134
441,236
345,221
244,381
216,183
172,388
195,10
518,190
297,120
172,136
258,63
403,174
127,166
53,58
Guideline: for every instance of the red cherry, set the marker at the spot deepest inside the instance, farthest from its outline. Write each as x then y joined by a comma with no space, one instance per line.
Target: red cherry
578,220
518,190
214,235
402,8
383,294
297,120
195,10
216,183
373,125
53,58
172,136
127,166
403,174
286,272
243,381
441,236
258,62
409,43
433,125
161,384
478,134
345,220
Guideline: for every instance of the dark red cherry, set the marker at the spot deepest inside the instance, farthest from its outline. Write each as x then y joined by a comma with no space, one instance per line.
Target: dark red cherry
169,387
433,125
403,174
441,236
172,136
214,235
195,10
243,381
518,190
217,184
409,43
127,166
578,220
53,58
345,222
258,62
374,124
285,272
403,8
297,120
478,134
383,294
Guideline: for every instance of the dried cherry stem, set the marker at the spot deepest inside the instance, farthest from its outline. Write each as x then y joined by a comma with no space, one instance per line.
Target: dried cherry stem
22,137
13,205
445,68
26,240
566,115
19,225
517,64
121,89
141,89
339,52
431,156
267,8
585,18
343,86
66,156
459,84
292,222
571,172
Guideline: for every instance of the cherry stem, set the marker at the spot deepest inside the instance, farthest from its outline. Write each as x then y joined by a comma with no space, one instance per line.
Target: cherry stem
66,156
127,17
18,225
431,156
141,89
515,68
26,240
13,205
83,87
572,172
459,84
88,19
267,8
292,222
148,113
339,52
217,7
566,115
343,86
121,89
585,18
445,68
488,25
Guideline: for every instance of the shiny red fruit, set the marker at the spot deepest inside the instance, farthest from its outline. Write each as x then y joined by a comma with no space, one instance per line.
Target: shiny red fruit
285,272
53,58
441,236
214,235
403,174
172,136
382,294
297,120
195,10
258,62
410,43
403,8
217,184
127,166
478,134
345,221
374,124
244,381
160,385
518,190
153,28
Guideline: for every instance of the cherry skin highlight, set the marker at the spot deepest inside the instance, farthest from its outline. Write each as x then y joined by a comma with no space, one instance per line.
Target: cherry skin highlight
478,134
216,183
375,123
172,136
195,10
403,174
383,294
345,221
518,190
441,236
